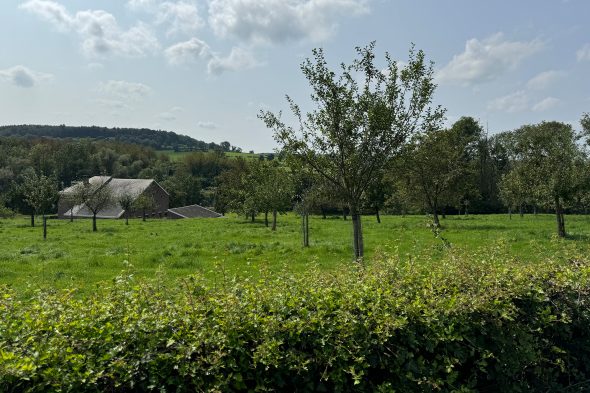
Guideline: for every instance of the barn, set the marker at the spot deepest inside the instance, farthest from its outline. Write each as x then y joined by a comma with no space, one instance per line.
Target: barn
118,187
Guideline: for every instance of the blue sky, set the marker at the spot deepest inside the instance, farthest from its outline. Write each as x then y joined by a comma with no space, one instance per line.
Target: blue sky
205,68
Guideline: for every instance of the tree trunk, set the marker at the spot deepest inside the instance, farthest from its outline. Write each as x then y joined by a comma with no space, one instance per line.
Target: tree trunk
126,217
32,219
44,227
344,215
560,220
521,211
378,216
357,230
323,212
305,228
143,215
274,220
535,210
306,244
72,214
510,213
435,219
266,219
444,213
94,223
252,216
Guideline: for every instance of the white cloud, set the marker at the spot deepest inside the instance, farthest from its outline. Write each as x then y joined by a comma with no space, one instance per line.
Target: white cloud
195,51
98,30
544,79
190,51
207,124
583,54
238,59
183,17
125,90
515,102
276,21
486,60
171,114
21,76
546,104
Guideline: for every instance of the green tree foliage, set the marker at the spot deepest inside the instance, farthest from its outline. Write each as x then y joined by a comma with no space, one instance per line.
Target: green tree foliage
437,168
549,161
95,196
157,139
40,193
145,203
358,126
126,200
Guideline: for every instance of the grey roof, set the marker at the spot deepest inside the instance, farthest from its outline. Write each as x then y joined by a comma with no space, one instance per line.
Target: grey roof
118,187
194,211
95,180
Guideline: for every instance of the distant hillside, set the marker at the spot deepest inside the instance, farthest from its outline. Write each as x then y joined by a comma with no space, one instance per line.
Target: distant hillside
157,139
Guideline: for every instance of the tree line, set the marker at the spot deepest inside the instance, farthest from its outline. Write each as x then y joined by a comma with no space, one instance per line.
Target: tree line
156,139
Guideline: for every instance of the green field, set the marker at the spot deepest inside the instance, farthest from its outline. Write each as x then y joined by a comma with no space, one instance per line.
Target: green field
75,257
179,155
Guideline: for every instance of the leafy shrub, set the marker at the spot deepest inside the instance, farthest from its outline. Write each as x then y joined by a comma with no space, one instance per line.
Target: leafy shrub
467,323
5,212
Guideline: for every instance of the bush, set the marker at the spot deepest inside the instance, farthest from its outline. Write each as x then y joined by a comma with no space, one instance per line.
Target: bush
465,324
5,212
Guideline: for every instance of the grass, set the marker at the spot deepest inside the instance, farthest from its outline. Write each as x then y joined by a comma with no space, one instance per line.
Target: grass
75,257
179,155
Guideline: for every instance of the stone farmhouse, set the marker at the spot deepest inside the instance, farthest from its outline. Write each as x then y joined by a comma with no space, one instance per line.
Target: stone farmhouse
136,188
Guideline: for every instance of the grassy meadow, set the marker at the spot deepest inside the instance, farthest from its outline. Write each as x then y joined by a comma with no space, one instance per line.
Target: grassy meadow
179,155
220,249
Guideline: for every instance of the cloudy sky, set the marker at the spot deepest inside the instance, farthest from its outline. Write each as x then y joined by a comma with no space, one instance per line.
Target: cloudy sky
205,68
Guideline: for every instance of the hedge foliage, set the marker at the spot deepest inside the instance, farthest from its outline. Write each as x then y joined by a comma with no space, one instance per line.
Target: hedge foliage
467,323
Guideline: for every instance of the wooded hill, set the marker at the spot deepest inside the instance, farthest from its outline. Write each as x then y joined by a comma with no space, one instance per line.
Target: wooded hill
156,139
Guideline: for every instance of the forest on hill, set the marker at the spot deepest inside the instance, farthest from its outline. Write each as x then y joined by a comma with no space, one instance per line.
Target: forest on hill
156,139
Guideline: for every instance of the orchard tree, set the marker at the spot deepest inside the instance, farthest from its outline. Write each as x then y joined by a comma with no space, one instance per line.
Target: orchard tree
549,161
95,196
273,189
514,192
126,199
39,192
435,169
144,203
364,114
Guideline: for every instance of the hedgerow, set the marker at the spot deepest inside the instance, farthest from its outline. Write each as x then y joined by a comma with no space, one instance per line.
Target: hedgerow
467,323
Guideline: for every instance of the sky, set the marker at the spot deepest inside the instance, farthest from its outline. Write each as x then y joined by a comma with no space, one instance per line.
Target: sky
205,68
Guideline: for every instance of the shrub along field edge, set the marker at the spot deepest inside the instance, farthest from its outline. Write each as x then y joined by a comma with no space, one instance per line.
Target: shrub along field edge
464,323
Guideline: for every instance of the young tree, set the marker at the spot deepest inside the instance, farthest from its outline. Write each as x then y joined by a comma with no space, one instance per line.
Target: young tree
145,203
40,193
513,191
273,189
126,200
95,196
358,126
548,162
434,169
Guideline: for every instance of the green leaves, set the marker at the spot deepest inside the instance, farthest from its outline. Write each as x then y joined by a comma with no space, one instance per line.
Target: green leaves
460,324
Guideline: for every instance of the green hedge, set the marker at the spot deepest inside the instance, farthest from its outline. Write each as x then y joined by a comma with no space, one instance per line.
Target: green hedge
463,324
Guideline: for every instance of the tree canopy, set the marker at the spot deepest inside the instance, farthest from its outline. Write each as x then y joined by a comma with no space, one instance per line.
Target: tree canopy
363,116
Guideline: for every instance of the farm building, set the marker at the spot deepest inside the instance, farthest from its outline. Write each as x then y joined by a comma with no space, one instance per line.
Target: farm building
192,211
67,208
118,187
